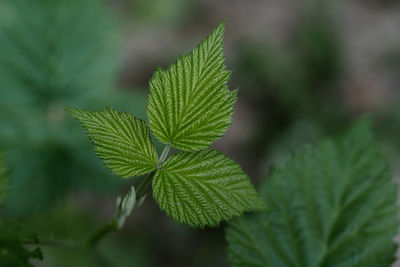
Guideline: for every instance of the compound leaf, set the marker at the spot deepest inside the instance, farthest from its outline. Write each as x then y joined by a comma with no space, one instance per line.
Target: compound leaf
121,140
333,204
203,188
190,105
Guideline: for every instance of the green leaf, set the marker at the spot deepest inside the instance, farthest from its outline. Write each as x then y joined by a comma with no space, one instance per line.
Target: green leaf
121,140
190,105
13,233
13,236
4,179
45,67
333,204
71,60
203,188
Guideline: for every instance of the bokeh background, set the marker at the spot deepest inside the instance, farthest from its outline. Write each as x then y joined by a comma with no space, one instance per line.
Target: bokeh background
306,69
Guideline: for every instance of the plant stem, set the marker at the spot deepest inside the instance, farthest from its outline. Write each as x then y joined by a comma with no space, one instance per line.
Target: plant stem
163,156
141,191
100,234
144,186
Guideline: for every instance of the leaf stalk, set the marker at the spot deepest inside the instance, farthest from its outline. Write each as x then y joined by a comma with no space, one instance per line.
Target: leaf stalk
163,156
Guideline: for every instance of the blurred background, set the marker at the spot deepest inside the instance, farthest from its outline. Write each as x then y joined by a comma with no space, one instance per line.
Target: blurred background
306,69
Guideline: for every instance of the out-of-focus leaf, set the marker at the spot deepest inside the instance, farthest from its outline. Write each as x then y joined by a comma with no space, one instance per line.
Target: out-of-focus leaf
190,105
13,233
13,237
4,179
55,54
333,204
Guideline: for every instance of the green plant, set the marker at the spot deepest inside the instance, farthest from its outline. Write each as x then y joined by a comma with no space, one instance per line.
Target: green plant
14,234
332,204
189,107
54,54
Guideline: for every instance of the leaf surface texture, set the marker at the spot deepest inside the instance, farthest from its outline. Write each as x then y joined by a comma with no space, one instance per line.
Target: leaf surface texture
203,188
332,204
121,140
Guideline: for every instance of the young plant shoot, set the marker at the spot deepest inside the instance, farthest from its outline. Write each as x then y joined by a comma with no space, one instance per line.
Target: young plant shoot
189,107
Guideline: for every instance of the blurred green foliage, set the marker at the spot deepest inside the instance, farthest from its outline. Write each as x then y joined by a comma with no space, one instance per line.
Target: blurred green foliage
66,53
331,204
13,233
74,226
293,86
171,12
300,75
55,54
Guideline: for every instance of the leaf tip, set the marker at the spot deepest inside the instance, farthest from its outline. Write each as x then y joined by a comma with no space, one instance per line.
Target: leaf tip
222,25
73,112
69,110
